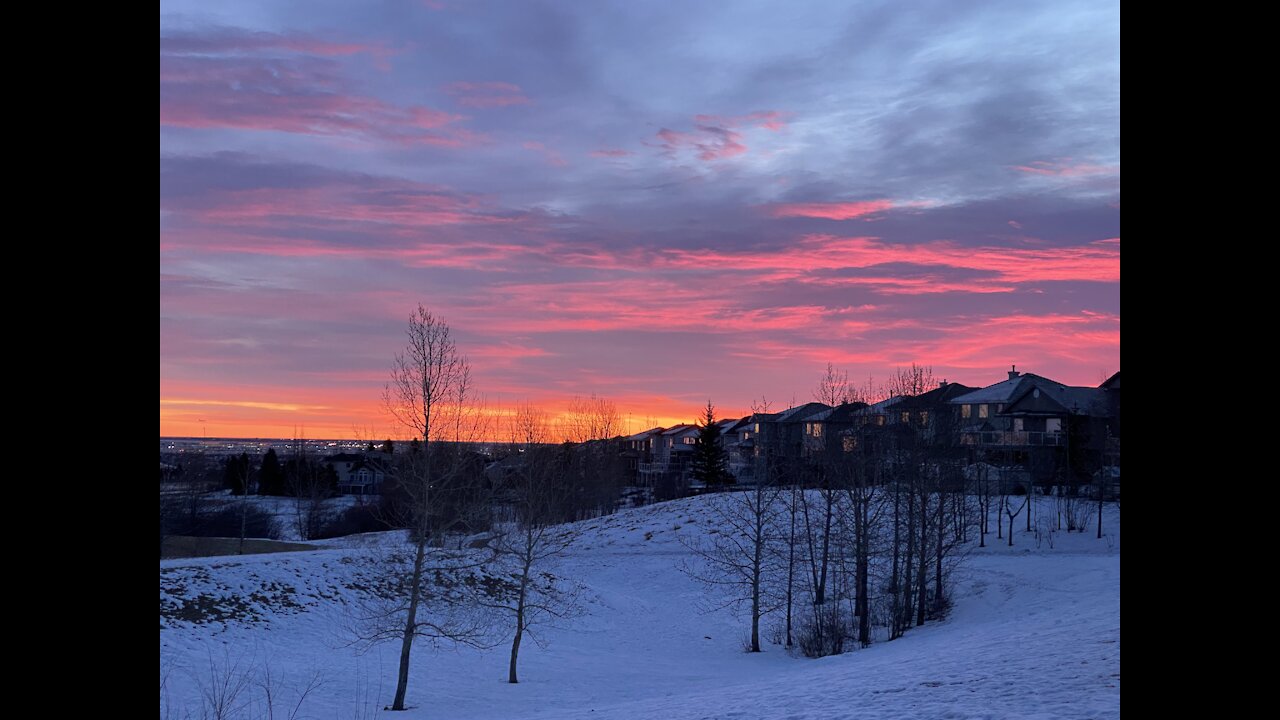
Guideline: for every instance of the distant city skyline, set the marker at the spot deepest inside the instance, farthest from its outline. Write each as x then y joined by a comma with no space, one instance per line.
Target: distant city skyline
656,207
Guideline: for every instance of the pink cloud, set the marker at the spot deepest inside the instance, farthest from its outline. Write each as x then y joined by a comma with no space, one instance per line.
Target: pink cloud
1098,261
486,94
1066,167
227,40
716,137
553,157
303,94
611,153
831,210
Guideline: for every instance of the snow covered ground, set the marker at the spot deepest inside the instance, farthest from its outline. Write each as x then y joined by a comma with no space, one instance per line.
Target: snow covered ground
1035,633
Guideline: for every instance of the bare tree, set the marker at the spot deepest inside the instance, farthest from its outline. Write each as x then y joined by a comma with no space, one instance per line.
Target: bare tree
911,381
539,498
735,562
591,418
430,395
834,388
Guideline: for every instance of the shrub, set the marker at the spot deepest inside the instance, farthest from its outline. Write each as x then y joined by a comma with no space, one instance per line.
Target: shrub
226,522
823,631
352,521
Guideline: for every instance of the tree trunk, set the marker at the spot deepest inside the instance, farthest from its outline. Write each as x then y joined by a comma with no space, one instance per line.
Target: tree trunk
923,570
515,643
937,584
755,588
826,548
861,573
791,564
410,623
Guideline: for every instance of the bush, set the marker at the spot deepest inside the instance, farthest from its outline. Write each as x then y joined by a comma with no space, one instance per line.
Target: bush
352,521
224,522
823,631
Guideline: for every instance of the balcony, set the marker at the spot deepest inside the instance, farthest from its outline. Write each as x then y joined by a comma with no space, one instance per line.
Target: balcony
1015,439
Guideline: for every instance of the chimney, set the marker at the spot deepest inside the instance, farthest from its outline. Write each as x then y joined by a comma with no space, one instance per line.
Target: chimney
943,383
1013,372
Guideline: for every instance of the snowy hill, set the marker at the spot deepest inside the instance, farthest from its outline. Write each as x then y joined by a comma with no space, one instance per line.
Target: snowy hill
1034,634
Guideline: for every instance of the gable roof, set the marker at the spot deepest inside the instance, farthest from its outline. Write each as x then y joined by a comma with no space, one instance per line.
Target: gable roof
646,433
934,397
1057,400
1005,390
880,407
841,413
802,412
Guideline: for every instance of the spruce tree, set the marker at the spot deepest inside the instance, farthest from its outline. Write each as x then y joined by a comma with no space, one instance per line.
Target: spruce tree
710,462
270,478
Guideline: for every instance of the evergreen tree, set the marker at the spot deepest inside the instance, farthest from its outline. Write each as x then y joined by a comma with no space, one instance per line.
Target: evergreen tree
710,462
271,478
236,474
388,447
371,448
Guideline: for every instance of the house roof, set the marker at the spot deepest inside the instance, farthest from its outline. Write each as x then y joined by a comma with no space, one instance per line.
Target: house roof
935,397
840,413
344,457
1112,383
373,464
1005,390
1056,399
880,407
680,429
646,433
802,412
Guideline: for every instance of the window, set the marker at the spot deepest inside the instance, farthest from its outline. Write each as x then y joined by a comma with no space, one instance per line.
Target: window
814,429
906,417
1053,425
746,436
879,419
966,411
924,417
1017,424
691,441
982,410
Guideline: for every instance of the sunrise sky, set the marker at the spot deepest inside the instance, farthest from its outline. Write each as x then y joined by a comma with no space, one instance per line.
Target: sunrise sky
657,202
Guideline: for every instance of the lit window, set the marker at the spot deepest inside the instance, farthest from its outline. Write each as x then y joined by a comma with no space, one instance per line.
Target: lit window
906,417
966,411
924,417
982,410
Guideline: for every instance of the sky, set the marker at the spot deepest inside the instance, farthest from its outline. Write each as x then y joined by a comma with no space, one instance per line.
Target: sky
658,203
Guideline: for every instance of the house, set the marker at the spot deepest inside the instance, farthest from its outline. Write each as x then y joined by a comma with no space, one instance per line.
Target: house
1052,430
823,431
667,472
639,448
366,476
933,411
342,464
